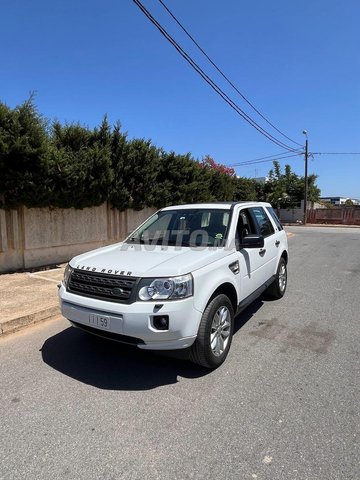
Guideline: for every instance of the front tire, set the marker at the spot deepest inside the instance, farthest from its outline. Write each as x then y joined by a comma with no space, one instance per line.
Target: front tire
215,333
278,287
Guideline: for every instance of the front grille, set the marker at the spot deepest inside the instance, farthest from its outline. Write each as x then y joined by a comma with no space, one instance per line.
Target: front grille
119,289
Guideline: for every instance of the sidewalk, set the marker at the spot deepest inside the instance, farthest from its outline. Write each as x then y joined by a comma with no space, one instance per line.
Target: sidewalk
28,298
336,225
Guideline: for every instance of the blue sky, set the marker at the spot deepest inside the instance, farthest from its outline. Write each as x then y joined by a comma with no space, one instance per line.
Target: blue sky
297,62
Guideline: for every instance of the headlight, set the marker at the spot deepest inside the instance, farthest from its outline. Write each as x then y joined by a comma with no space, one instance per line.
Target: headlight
67,273
165,288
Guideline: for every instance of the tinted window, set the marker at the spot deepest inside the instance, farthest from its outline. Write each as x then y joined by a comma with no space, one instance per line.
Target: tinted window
160,224
187,227
244,225
264,225
275,217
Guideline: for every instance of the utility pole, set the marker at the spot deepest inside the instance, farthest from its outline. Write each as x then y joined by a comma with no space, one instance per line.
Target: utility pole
306,177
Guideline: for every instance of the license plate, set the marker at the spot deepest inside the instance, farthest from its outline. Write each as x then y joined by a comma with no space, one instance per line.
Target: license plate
99,321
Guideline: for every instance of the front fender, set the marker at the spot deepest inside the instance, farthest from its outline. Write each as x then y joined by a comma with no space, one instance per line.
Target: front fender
208,280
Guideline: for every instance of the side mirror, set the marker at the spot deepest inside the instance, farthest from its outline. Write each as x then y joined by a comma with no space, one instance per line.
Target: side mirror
252,241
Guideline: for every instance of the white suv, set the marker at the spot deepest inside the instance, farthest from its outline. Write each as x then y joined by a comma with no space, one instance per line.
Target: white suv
180,278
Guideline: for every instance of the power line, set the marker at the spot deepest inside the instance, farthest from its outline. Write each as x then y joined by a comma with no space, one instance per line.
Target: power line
274,156
212,84
253,162
223,74
271,158
335,153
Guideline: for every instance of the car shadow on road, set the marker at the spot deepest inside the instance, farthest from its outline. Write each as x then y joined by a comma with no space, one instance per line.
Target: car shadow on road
115,366
242,318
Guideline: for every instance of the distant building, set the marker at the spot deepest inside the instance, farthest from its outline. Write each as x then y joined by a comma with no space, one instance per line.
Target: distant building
340,200
262,180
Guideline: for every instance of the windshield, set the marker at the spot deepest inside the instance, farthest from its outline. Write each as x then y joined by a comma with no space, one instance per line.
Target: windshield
184,228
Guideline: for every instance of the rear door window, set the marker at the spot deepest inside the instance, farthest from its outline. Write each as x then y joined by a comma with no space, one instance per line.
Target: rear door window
275,217
262,221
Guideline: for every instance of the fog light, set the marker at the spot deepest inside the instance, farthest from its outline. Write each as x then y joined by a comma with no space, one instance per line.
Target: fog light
161,322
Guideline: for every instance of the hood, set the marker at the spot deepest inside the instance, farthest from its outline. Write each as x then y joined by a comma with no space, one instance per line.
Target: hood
145,261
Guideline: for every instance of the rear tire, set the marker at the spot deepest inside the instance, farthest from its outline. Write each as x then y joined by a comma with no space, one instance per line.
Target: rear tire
215,333
278,287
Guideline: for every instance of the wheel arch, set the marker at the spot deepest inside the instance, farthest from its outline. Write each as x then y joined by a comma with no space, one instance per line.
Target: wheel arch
285,256
229,290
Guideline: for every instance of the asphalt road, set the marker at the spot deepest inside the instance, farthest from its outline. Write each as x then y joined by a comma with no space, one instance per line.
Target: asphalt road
285,405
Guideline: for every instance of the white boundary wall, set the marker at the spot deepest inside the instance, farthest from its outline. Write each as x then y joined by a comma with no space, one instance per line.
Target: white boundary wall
38,237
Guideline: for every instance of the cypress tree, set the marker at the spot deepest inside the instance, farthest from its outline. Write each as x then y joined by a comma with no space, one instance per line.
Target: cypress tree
23,145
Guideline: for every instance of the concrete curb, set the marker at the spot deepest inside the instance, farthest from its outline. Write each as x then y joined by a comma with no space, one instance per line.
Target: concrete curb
19,323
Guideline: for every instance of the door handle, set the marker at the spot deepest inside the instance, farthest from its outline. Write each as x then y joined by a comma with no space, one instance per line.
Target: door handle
262,252
277,243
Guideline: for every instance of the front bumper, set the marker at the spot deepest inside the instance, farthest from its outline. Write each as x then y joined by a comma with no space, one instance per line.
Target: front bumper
133,323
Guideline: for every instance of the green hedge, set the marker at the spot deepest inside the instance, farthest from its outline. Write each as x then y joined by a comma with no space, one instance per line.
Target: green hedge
55,165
